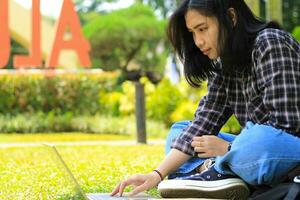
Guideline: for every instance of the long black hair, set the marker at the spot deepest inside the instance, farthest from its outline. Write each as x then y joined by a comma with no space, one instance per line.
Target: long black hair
235,41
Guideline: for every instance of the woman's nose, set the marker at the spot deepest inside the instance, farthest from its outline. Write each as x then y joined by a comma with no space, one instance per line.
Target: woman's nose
200,43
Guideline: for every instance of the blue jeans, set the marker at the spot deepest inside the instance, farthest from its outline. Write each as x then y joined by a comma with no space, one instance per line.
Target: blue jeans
260,154
190,166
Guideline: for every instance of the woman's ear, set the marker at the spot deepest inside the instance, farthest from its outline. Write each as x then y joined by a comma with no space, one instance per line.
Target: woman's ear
233,16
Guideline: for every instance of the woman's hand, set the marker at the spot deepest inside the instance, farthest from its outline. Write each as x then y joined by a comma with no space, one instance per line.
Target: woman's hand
141,181
209,146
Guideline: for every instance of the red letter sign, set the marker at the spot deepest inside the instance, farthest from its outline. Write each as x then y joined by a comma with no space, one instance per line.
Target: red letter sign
4,34
69,19
35,57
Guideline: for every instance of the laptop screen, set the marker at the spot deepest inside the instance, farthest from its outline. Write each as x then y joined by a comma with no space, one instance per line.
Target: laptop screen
79,192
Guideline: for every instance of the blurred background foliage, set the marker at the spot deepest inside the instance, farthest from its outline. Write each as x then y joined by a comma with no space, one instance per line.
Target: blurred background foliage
136,47
129,44
291,15
91,103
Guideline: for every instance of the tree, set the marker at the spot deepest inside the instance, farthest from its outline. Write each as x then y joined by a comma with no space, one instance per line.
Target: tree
130,40
89,9
164,7
85,6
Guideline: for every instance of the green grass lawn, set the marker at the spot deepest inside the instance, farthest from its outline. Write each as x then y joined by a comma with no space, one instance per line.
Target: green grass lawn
61,137
33,173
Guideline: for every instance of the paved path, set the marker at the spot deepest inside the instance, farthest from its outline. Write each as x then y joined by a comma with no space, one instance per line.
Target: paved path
83,143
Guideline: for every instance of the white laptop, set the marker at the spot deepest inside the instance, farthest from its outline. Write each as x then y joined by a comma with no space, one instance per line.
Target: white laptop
91,196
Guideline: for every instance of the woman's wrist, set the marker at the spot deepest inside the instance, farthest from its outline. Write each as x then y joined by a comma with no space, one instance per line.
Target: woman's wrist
159,174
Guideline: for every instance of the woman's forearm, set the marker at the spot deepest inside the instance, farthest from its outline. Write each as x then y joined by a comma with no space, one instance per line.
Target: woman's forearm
172,161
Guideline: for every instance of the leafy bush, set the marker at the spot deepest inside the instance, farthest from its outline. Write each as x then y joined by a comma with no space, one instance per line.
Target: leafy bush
68,103
231,126
62,93
38,122
184,111
120,102
296,33
45,123
163,101
127,101
110,102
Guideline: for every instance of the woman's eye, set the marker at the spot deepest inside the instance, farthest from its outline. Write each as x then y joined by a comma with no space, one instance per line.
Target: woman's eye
202,29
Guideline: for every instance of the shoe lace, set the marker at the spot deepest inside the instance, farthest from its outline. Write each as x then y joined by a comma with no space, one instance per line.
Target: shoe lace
209,163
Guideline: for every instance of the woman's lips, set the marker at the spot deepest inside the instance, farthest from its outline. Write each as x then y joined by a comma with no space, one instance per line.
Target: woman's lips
205,51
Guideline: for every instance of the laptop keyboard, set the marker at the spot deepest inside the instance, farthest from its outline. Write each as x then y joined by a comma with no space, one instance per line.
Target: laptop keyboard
108,197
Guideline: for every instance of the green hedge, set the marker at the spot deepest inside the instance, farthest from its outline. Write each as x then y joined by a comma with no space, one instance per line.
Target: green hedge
165,102
50,123
47,103
61,93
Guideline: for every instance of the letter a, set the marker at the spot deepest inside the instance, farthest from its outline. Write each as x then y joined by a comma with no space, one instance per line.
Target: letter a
4,34
35,57
69,19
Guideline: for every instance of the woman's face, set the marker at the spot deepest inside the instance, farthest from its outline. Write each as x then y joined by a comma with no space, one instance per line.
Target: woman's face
205,32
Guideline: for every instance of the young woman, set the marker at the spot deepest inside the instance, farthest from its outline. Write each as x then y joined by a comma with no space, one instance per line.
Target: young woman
253,72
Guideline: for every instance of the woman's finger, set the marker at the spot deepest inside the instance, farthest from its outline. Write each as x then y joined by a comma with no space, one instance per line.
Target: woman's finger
134,180
204,155
122,187
194,144
199,150
197,143
139,189
197,138
116,190
124,184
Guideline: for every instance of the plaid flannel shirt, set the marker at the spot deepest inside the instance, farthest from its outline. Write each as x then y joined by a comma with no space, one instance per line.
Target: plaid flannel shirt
269,94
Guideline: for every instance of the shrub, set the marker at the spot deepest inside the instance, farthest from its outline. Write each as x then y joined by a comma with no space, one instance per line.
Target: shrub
110,102
127,100
231,126
68,102
163,101
62,93
184,111
296,33
51,123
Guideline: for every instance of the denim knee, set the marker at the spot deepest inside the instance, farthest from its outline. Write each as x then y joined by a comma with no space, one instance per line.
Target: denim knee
261,154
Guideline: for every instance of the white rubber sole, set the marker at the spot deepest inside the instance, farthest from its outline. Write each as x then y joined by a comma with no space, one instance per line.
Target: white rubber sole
232,188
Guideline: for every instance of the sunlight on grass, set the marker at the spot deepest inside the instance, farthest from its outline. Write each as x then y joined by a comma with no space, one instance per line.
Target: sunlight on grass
61,137
34,173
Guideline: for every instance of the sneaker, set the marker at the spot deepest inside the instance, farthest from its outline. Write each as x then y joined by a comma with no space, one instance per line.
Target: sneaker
207,184
206,164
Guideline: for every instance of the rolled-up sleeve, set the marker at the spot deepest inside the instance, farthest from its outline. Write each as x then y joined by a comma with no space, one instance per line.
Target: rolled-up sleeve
278,70
212,113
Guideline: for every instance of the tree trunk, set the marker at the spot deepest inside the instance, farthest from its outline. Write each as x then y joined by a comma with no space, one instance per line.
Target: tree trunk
140,112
